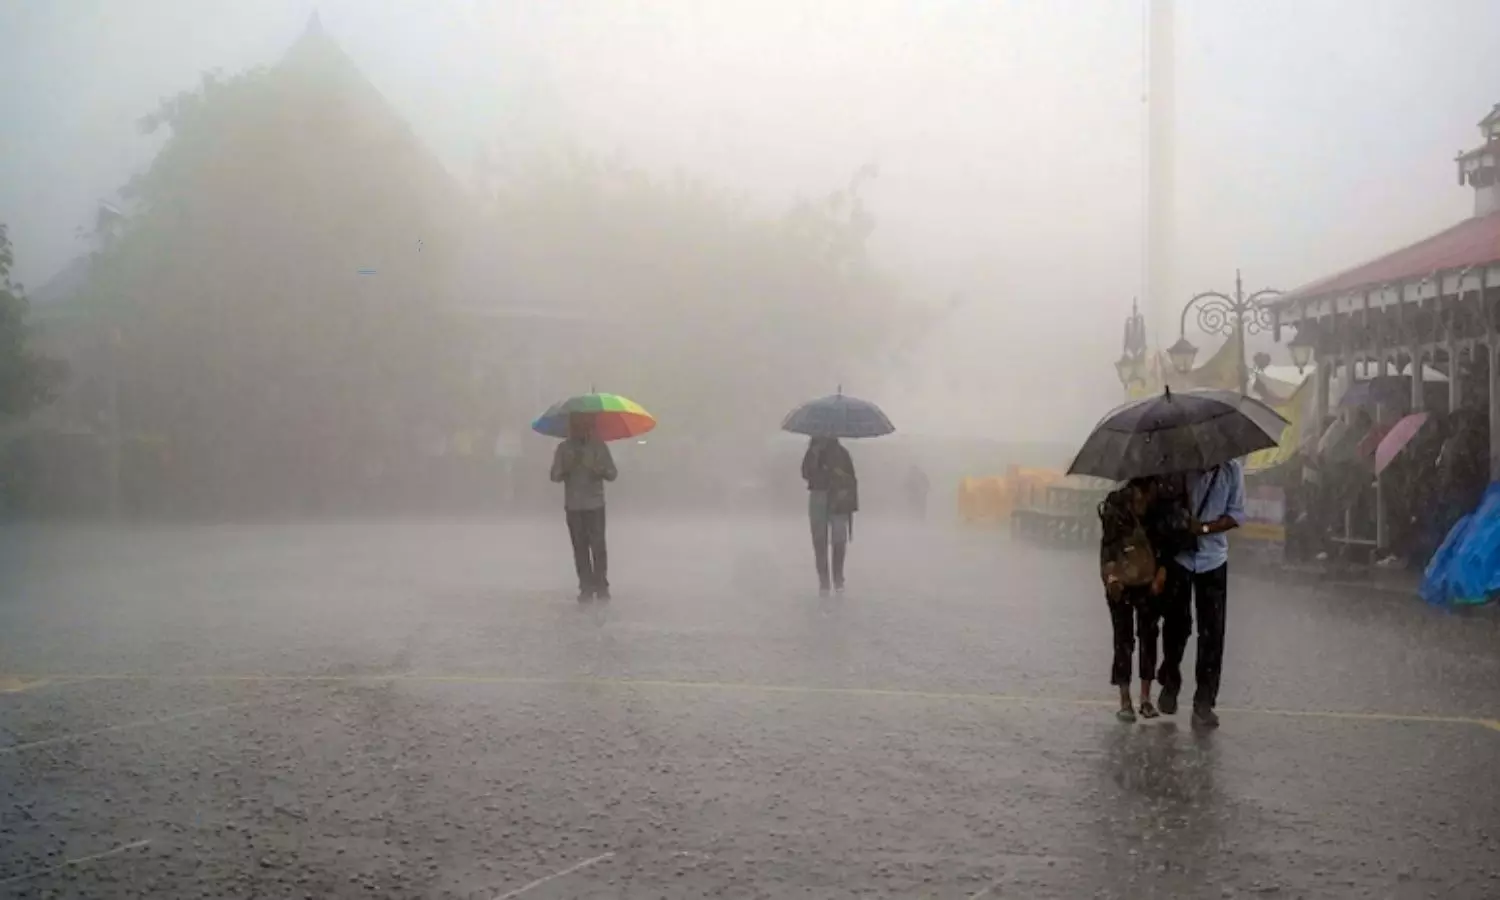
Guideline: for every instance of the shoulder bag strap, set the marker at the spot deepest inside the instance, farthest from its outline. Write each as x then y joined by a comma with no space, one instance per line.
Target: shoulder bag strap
1207,492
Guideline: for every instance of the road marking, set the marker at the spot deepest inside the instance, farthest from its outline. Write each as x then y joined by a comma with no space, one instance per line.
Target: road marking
754,687
14,685
555,875
74,862
126,726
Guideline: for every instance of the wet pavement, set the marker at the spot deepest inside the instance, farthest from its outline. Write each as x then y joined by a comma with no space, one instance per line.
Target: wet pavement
420,709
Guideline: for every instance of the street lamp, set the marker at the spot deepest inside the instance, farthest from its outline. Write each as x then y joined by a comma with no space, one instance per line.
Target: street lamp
1131,369
1182,355
1301,347
1230,317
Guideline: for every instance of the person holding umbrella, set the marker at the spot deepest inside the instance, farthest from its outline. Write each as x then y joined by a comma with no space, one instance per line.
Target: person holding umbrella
832,501
1203,434
828,469
1199,578
582,464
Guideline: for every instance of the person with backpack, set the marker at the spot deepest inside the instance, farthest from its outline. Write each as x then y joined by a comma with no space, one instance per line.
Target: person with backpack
832,501
1134,576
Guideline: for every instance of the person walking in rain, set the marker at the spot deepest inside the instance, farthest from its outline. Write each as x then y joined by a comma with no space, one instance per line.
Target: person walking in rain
917,487
832,500
581,464
1132,566
1198,578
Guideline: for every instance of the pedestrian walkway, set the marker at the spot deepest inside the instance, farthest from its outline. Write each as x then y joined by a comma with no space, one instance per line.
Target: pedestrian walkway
422,709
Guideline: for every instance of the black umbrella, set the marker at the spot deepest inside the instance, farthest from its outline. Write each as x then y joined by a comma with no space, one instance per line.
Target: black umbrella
1183,432
838,416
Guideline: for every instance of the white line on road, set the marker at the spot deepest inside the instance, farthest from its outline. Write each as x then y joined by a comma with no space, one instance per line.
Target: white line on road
751,687
125,726
555,875
74,862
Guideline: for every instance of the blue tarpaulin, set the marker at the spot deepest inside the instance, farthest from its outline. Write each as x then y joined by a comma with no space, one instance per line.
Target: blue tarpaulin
1465,571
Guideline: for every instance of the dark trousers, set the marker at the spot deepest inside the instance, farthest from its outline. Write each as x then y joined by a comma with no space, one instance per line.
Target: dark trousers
590,557
1208,592
1135,613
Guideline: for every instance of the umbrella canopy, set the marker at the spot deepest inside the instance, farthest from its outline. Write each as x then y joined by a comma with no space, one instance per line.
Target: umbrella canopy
1397,438
1183,432
838,416
615,417
1365,449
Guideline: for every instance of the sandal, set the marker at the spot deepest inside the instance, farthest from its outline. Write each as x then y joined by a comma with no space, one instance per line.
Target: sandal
1125,714
1148,710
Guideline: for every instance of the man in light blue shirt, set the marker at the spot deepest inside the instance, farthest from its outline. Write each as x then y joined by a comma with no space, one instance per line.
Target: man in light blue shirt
1199,578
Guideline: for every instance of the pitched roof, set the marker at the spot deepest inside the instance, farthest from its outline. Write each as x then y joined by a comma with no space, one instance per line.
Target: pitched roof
64,285
1488,147
318,63
1472,242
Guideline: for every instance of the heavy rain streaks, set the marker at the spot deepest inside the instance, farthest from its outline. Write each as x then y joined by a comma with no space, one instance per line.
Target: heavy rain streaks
424,730
511,451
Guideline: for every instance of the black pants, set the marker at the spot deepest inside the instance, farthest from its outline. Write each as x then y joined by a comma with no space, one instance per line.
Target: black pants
1135,613
590,557
1209,593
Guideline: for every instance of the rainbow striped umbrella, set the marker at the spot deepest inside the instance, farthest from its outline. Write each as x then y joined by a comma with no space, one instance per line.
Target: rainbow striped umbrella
615,417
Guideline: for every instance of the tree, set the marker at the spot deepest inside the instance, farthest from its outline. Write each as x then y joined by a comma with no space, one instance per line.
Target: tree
27,380
248,334
717,317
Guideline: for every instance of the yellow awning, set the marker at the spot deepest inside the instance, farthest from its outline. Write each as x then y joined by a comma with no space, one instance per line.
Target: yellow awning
1220,372
1293,410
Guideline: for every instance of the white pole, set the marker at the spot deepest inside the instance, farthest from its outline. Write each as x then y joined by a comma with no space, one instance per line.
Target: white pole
1161,194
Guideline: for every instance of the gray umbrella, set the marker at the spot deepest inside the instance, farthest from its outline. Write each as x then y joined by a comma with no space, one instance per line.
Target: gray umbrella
838,416
1183,432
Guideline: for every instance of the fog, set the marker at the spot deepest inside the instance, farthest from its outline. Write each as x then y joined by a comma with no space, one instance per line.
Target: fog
418,414
1005,140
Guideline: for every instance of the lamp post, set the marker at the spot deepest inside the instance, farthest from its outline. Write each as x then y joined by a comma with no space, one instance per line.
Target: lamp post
1131,366
1301,347
1231,317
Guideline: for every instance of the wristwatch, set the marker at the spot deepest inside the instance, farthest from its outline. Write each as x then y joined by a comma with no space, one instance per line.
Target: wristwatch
1203,529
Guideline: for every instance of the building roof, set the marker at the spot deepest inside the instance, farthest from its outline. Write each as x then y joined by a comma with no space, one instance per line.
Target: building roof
1481,149
1472,242
63,286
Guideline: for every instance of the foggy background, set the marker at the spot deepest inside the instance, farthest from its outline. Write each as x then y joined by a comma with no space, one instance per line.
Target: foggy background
1007,135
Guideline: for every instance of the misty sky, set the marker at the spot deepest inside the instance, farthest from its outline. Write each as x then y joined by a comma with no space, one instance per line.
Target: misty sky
1312,134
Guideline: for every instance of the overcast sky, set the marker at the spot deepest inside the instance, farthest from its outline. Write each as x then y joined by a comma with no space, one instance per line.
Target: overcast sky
1312,134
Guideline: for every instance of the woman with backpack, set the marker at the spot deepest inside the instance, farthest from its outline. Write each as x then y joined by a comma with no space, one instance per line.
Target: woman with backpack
1133,577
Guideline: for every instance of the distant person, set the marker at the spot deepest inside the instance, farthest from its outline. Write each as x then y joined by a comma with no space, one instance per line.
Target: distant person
917,488
1463,465
581,464
1430,522
832,500
1134,574
1198,580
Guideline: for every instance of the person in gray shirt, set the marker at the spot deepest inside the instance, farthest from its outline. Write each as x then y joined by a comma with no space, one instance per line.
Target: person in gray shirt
832,501
581,464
